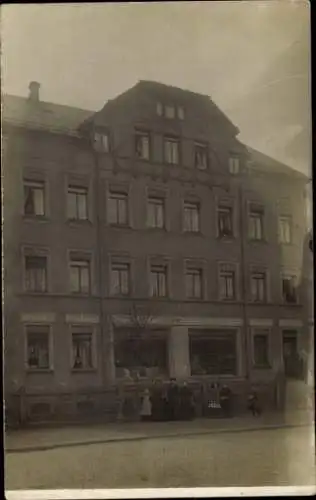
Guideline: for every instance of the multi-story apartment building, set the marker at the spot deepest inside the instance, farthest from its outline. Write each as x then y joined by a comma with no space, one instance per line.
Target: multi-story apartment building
144,239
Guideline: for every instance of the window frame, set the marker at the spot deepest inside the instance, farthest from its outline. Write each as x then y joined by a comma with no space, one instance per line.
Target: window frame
257,209
29,180
164,266
73,189
294,277
196,204
151,202
117,195
198,271
218,334
140,134
289,219
263,272
234,272
261,332
203,147
175,141
234,164
115,265
50,346
98,142
88,258
91,329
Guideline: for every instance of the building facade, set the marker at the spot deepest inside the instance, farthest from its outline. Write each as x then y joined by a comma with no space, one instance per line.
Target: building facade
146,240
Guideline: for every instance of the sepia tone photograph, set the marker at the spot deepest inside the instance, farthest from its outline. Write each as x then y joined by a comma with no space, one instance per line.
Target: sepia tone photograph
157,248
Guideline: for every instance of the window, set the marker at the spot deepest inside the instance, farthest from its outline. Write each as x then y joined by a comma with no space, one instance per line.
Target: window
284,229
225,221
156,212
159,109
77,203
36,273
256,223
289,290
193,283
142,146
180,111
227,282
213,353
101,142
191,216
118,213
34,198
170,111
171,147
234,165
80,276
258,286
82,351
158,281
120,279
142,354
261,350
200,156
38,355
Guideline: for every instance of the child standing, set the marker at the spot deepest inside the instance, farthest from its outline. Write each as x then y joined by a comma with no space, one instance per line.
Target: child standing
146,407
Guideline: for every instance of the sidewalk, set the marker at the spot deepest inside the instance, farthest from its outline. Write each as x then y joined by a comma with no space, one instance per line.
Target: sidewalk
45,439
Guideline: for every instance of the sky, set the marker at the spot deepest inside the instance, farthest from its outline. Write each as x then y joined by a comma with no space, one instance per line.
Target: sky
85,54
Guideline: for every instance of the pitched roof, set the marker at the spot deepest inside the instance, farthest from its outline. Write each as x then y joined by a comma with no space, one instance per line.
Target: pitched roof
264,163
40,115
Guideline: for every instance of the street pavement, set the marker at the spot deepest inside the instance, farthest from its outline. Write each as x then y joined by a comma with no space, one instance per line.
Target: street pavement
283,456
46,438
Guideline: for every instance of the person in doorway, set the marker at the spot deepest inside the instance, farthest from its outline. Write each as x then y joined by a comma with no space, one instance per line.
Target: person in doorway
146,407
186,406
253,404
225,397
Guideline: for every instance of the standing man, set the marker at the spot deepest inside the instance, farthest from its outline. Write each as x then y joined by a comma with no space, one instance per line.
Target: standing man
172,399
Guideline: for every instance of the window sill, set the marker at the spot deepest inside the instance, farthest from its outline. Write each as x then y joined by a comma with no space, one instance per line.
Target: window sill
262,367
81,294
39,370
227,239
119,226
83,370
156,229
261,241
290,304
228,301
36,292
79,222
192,233
35,218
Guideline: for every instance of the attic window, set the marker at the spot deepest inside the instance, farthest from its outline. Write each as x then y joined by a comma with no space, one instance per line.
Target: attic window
170,111
101,142
234,165
159,109
180,113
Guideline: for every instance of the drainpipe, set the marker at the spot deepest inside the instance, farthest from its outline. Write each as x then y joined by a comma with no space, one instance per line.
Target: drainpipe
100,270
243,278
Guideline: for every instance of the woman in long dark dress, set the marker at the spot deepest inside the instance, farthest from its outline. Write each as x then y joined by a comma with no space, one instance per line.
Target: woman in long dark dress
185,406
157,402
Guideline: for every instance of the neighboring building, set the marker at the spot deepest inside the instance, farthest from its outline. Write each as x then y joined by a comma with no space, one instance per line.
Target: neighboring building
144,237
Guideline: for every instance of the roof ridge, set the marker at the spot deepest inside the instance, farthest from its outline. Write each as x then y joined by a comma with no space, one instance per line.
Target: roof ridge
26,99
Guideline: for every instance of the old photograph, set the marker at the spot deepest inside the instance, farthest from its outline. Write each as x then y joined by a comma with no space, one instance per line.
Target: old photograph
157,245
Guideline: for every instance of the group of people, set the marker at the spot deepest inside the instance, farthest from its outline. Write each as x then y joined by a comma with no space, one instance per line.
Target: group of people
174,401
167,402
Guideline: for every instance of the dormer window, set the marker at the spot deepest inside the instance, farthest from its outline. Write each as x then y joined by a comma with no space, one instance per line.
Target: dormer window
234,165
101,142
180,111
170,112
159,109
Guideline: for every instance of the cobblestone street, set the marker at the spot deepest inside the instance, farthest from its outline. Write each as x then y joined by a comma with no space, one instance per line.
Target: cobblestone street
275,457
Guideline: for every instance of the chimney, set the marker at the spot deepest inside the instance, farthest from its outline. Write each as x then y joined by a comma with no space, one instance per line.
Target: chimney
34,91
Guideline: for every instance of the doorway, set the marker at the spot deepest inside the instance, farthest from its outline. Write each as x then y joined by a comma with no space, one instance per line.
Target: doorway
292,368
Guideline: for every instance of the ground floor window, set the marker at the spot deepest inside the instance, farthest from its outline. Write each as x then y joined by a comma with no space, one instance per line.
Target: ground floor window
38,352
142,354
213,352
